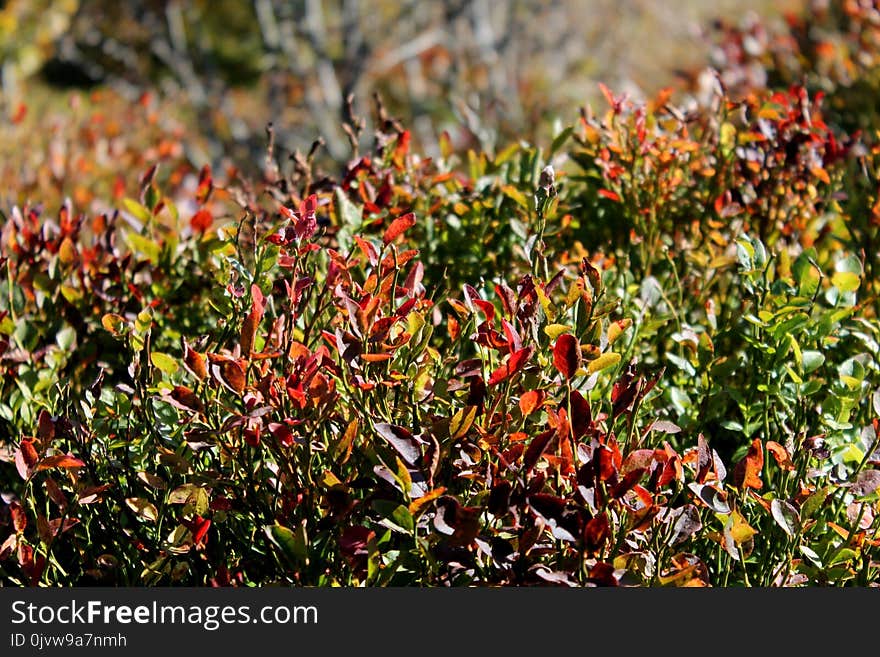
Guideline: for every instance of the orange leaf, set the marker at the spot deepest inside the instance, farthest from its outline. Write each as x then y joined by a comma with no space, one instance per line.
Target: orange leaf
187,399
228,372
194,362
375,358
531,400
417,505
398,227
248,333
747,473
780,454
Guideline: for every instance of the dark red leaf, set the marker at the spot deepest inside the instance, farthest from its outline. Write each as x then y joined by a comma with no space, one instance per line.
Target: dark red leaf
687,523
536,448
581,415
596,532
567,355
629,480
602,574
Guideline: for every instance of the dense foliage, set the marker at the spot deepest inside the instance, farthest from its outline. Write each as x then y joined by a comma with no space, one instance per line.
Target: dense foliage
645,354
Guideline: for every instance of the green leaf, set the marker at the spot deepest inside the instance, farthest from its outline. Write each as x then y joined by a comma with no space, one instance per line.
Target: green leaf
805,273
811,554
347,213
394,516
70,293
166,364
506,154
846,281
559,140
134,208
293,544
7,325
846,554
811,361
144,246
66,338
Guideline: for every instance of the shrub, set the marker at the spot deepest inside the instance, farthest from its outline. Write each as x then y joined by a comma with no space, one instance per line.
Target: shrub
645,355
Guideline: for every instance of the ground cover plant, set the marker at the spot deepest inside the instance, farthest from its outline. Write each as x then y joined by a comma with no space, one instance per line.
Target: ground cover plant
642,354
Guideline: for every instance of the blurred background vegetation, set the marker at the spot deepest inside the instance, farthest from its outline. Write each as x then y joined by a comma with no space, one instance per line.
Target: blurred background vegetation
483,70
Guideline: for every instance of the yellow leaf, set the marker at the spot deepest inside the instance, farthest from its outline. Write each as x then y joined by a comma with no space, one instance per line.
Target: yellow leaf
417,505
555,330
617,328
546,304
604,361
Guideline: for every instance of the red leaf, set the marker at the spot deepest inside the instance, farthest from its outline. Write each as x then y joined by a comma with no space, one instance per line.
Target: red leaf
282,432
567,355
26,457
607,193
60,461
206,184
201,221
512,365
201,527
605,459
485,306
398,227
228,372
368,250
309,205
629,480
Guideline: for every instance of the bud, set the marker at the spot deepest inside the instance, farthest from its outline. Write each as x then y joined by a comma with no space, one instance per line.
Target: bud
547,179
